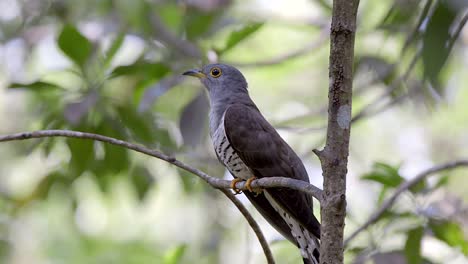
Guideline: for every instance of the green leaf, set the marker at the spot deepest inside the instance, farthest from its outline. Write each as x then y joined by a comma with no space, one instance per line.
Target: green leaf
39,85
82,154
198,24
451,233
413,245
443,181
400,15
174,256
74,45
115,46
239,35
435,49
144,69
384,174
142,180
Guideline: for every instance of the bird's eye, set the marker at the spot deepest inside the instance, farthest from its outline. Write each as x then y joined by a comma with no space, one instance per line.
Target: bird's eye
215,72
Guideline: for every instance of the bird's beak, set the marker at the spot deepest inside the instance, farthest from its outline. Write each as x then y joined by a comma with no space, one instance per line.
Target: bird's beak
195,73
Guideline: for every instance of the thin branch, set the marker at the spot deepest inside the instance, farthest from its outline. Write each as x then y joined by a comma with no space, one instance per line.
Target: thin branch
216,183
270,182
402,188
253,224
222,185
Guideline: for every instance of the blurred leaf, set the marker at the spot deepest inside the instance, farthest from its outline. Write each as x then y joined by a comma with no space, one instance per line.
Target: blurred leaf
384,174
144,69
198,24
74,45
82,154
413,245
115,46
193,120
384,71
35,86
55,177
171,15
400,15
326,5
140,125
419,187
443,181
435,48
382,194
174,256
74,112
451,233
239,35
142,180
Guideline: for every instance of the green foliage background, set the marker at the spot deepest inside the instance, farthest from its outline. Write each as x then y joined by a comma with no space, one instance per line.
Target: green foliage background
113,68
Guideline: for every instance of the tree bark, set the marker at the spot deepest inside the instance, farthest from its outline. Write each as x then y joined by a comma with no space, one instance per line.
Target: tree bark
334,157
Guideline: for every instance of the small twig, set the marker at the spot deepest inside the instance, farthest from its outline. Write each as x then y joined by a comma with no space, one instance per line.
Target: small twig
253,224
402,188
270,182
216,183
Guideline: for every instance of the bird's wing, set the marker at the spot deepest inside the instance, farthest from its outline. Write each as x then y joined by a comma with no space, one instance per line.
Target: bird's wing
267,155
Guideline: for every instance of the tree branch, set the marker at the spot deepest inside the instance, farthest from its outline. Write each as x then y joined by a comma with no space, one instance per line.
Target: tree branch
270,182
216,183
334,157
253,224
402,188
222,185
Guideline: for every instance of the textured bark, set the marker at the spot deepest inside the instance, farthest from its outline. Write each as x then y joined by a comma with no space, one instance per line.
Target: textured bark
334,157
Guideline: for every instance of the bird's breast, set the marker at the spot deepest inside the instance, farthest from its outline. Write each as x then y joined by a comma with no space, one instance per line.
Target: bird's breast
227,155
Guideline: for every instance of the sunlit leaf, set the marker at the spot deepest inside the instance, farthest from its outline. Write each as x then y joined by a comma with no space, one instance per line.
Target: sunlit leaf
384,174
413,245
239,35
77,47
174,256
451,233
35,86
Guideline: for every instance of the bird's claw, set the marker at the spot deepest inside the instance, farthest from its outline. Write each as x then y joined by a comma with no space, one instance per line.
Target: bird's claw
257,191
233,185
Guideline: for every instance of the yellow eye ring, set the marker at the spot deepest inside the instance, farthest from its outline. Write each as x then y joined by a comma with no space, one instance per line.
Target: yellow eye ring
215,72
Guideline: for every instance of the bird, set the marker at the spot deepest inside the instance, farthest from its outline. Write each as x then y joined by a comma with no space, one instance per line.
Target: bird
251,148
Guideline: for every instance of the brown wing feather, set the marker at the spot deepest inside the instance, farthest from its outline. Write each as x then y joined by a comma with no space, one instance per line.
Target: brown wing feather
263,150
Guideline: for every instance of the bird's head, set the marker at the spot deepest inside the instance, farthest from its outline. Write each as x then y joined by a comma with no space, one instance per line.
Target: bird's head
220,78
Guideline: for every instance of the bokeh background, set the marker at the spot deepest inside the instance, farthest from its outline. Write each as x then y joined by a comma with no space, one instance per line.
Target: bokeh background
113,67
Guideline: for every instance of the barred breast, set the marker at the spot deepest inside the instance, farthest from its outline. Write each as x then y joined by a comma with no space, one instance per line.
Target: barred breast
227,155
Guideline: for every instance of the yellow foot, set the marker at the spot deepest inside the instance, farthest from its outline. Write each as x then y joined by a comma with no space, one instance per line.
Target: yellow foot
257,191
233,185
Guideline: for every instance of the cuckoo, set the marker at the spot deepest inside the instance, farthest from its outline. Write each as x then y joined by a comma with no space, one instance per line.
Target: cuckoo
249,147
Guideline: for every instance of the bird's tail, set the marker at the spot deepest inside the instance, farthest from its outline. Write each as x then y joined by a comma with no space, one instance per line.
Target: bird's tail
311,254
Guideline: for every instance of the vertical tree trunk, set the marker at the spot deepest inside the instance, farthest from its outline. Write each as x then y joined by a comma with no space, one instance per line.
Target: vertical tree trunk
334,157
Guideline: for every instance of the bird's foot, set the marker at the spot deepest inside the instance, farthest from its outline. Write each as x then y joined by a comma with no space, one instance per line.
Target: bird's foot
257,191
233,185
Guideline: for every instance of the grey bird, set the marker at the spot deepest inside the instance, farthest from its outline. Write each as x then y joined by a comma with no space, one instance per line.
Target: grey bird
249,147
